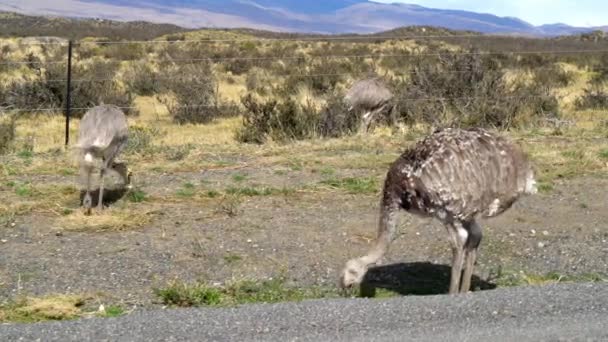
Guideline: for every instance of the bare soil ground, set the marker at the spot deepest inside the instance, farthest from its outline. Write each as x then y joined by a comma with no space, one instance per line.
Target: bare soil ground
304,234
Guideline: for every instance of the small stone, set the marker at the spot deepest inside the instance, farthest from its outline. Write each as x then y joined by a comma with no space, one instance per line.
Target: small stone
545,233
4,241
541,245
533,232
249,240
13,224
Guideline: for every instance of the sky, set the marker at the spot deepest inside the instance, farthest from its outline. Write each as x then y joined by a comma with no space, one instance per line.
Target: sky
536,12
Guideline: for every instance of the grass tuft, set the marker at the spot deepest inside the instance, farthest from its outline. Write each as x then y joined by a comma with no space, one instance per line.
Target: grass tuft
367,185
29,310
241,292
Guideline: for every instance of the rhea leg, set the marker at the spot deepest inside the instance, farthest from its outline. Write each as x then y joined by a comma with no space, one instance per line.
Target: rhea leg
88,201
366,120
458,237
473,241
104,167
101,181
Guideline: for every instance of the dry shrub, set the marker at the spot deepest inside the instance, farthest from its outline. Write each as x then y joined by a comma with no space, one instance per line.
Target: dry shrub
336,120
289,120
279,121
141,79
468,90
100,87
7,132
324,76
93,85
258,81
553,77
194,94
593,98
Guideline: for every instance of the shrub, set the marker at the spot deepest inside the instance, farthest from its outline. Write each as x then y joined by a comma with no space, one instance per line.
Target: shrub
141,139
256,120
602,75
323,77
34,94
553,76
289,120
467,90
123,52
95,85
258,81
100,86
194,94
283,121
336,120
593,98
141,79
7,132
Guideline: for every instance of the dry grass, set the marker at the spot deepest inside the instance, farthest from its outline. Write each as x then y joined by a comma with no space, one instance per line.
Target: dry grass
59,307
114,219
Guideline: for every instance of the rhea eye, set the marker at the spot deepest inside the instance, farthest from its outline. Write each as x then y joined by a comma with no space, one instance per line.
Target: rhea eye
352,272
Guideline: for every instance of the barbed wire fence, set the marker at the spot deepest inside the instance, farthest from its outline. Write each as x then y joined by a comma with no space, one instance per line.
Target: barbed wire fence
70,60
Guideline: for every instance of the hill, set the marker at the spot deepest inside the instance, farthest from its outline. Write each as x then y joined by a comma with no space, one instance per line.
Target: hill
330,17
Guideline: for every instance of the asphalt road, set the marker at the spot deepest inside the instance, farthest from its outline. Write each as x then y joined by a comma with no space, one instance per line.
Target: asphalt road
565,312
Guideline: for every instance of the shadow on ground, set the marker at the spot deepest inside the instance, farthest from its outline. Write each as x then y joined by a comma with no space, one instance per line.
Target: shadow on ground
418,278
110,196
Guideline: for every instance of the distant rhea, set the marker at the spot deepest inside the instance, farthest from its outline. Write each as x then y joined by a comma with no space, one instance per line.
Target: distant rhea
103,135
453,175
368,96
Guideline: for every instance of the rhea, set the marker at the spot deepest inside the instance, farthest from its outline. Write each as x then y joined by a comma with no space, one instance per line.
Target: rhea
455,176
368,96
103,135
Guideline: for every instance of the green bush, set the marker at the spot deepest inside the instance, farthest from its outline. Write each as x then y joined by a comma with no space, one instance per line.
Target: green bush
141,139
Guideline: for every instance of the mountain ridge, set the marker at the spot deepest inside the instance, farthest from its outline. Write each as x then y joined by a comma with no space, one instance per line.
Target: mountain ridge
325,17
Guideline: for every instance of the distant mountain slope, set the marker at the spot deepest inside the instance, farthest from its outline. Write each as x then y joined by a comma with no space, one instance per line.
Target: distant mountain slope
12,24
328,16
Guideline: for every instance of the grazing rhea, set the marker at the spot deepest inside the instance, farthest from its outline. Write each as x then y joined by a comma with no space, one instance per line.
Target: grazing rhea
453,175
103,134
369,96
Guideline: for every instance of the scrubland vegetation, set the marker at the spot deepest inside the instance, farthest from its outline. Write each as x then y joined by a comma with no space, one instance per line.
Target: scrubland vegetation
264,114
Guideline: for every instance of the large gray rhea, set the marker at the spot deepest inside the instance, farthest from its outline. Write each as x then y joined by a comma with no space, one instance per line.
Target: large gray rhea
103,135
368,97
454,175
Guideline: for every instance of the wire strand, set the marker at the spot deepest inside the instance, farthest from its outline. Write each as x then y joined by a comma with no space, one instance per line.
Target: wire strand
411,99
108,78
372,56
